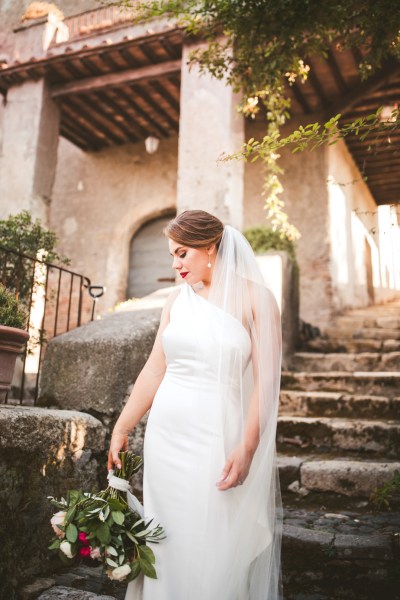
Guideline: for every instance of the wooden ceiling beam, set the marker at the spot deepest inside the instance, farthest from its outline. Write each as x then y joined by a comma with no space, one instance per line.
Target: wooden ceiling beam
337,75
377,163
157,85
113,80
74,117
169,48
301,99
139,91
347,101
95,122
126,120
315,83
69,131
154,127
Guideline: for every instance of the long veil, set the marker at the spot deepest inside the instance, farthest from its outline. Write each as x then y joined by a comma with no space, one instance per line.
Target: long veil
245,565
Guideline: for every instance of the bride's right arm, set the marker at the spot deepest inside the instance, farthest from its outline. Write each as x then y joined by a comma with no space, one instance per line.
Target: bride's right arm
144,390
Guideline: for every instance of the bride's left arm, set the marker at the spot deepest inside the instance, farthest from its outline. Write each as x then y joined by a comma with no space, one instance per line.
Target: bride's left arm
269,347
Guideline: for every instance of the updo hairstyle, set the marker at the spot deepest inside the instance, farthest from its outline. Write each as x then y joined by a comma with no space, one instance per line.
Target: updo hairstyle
195,229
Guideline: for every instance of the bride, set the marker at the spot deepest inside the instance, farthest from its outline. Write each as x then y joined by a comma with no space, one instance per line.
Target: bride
211,383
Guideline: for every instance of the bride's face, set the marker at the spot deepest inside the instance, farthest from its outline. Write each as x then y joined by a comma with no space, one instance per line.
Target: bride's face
191,263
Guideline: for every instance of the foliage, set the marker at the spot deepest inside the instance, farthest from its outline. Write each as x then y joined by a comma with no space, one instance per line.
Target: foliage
271,39
262,239
372,129
382,496
258,46
12,312
103,527
23,235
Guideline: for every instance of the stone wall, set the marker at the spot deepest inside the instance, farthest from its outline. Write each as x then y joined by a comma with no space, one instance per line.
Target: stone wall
42,453
100,200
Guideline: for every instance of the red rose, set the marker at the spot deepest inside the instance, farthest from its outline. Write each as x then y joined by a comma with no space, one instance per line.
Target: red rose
85,551
82,536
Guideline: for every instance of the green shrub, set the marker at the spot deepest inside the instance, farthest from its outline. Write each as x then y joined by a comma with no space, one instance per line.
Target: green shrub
12,312
20,233
262,239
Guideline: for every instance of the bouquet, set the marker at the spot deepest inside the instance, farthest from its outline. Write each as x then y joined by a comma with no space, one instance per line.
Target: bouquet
109,526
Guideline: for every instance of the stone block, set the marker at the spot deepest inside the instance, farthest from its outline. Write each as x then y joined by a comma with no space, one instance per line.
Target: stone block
289,469
300,545
42,453
347,477
336,435
363,547
32,590
67,593
93,367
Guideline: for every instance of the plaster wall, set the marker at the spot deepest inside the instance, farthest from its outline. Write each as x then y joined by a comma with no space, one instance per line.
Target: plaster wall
306,202
362,252
353,229
11,12
101,199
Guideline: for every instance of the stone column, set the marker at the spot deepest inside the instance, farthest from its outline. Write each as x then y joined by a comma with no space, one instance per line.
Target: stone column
28,154
209,126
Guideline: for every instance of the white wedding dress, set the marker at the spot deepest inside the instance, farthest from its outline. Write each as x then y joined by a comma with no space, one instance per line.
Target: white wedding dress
184,457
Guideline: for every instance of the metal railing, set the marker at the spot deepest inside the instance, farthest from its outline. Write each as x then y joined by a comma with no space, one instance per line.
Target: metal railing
56,303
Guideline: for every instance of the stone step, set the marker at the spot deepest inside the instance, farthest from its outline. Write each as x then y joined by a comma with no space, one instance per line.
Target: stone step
326,345
336,404
363,361
349,332
379,383
371,321
329,556
368,438
348,477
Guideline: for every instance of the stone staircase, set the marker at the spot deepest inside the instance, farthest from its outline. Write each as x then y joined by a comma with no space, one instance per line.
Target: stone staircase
338,440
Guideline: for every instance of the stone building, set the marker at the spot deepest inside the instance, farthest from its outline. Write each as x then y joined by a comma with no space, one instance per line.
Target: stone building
82,94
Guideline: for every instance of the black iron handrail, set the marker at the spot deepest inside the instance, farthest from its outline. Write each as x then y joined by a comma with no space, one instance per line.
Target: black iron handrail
84,282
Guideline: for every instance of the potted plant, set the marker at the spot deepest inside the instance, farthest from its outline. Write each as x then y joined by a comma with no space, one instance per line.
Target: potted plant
13,336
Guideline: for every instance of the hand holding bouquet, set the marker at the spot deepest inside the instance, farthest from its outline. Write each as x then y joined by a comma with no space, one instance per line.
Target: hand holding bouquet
108,526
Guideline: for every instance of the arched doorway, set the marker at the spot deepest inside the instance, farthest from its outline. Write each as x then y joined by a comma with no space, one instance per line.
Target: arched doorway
149,259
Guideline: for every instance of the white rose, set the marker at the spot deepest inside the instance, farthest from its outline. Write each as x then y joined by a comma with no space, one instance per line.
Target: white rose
65,547
119,573
58,519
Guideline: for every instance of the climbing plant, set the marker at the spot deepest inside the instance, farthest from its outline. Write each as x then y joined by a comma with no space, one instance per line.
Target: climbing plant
258,46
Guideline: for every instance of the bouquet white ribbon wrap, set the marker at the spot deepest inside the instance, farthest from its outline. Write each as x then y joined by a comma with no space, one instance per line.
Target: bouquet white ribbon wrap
123,486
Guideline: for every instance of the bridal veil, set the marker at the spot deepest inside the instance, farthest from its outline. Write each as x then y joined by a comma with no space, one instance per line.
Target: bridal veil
245,565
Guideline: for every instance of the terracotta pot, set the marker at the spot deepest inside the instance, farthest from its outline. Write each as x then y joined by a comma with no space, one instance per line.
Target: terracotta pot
12,341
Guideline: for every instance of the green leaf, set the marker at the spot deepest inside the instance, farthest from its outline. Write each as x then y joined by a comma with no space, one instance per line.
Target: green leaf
118,517
147,553
147,568
103,533
70,514
135,570
71,533
111,562
115,504
111,550
73,496
55,545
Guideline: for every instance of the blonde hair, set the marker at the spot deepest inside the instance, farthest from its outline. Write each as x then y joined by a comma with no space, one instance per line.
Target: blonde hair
195,228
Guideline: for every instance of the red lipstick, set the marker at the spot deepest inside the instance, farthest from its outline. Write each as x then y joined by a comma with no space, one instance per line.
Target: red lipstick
183,275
